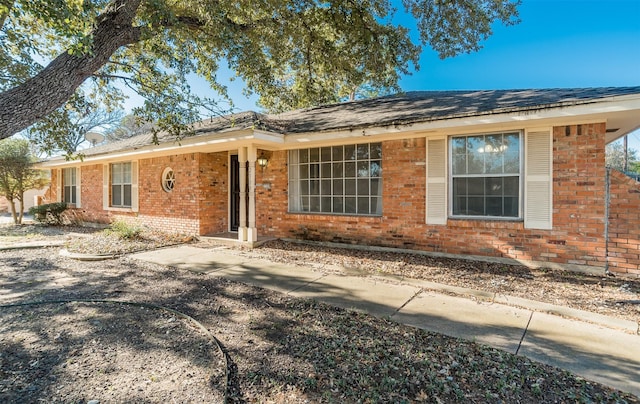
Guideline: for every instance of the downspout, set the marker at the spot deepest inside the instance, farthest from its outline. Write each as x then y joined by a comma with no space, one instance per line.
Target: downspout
607,199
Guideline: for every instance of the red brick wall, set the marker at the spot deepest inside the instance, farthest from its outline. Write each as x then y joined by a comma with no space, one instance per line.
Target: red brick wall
91,194
213,193
197,204
577,237
173,211
50,195
579,177
271,195
624,224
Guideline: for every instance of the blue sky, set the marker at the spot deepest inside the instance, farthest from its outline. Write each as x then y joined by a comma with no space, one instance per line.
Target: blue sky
558,43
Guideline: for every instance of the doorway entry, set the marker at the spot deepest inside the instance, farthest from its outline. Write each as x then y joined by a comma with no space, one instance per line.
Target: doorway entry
234,195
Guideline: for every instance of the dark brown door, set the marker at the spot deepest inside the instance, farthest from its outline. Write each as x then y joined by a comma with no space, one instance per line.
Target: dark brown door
234,203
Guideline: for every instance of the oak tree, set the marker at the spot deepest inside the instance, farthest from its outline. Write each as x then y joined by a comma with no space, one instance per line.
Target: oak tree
292,53
64,130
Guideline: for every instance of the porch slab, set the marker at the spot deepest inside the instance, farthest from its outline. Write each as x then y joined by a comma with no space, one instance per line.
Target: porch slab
366,295
484,322
230,239
598,353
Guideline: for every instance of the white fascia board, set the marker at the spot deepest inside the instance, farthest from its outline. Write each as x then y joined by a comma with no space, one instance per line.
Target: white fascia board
268,138
212,143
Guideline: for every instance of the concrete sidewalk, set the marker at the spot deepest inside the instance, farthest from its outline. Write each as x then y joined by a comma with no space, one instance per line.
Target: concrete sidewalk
600,348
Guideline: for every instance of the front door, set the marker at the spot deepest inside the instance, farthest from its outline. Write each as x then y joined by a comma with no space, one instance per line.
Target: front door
234,203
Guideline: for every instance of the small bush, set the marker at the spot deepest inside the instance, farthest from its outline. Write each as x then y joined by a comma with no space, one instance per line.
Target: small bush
50,213
125,230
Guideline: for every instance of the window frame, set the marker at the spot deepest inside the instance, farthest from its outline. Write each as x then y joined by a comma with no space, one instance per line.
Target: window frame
520,175
347,201
122,184
168,180
72,188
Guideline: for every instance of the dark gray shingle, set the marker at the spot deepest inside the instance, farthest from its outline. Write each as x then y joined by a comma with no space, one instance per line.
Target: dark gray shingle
402,109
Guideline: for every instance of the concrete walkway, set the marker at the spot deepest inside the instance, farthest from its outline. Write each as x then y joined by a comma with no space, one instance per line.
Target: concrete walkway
596,347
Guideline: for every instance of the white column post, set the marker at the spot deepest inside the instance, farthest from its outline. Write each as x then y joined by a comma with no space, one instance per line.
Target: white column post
252,156
242,160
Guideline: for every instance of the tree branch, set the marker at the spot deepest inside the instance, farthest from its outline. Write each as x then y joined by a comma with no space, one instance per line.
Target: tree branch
23,105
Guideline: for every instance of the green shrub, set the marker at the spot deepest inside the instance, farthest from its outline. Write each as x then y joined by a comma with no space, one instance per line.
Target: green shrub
50,213
125,230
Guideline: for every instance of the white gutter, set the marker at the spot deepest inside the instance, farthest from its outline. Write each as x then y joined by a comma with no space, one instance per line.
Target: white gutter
208,143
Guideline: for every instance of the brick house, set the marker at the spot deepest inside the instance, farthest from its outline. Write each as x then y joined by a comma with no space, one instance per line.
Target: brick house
515,174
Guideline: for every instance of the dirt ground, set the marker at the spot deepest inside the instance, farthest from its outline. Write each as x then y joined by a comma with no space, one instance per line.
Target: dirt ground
273,348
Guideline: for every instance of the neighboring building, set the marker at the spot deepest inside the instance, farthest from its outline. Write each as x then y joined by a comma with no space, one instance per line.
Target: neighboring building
517,174
31,198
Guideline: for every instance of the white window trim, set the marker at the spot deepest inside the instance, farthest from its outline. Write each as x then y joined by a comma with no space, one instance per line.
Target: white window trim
295,207
65,186
60,186
106,188
168,183
520,175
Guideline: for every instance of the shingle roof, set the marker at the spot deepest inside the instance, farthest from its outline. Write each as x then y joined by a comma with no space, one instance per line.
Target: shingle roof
407,108
222,124
425,106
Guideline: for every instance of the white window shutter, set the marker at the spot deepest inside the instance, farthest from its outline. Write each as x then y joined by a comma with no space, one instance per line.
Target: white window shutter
436,203
78,188
105,186
59,185
538,182
134,186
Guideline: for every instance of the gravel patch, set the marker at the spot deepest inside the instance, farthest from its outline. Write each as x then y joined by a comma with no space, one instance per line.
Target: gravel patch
611,296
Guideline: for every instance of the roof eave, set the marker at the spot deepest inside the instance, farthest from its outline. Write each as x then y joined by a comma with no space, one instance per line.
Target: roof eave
600,110
218,141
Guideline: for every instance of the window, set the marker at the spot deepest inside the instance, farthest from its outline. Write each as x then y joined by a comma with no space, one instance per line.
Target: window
168,179
339,179
121,185
69,181
486,175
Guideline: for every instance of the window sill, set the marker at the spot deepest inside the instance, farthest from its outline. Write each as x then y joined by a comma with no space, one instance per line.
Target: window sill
118,209
334,214
487,218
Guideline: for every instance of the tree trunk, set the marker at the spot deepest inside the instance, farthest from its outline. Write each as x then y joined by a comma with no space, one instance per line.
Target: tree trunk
21,213
23,105
12,203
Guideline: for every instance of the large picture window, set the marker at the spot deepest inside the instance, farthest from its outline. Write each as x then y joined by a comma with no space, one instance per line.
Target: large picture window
336,180
486,175
121,185
69,183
